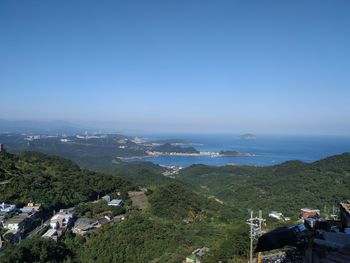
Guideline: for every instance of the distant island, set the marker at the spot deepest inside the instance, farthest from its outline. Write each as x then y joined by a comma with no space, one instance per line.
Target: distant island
248,136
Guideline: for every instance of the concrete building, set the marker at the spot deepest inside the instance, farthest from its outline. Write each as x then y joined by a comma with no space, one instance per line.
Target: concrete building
1,147
7,210
61,220
305,213
345,214
16,223
116,202
30,208
276,215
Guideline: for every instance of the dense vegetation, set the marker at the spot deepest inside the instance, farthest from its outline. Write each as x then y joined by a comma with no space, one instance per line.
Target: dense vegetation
286,187
167,148
158,233
36,250
52,181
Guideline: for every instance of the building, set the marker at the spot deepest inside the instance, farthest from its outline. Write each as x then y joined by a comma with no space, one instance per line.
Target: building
317,240
84,225
16,223
1,147
7,210
30,208
345,214
116,202
305,213
276,215
61,220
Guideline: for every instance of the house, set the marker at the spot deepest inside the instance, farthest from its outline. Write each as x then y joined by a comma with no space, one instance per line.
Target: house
7,210
116,202
61,220
345,214
16,223
305,213
31,208
83,225
276,215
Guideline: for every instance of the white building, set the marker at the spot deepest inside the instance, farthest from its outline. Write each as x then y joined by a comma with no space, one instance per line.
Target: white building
7,210
60,220
276,215
116,202
16,223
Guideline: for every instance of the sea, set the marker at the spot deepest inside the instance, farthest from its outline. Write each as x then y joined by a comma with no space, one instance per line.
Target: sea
268,149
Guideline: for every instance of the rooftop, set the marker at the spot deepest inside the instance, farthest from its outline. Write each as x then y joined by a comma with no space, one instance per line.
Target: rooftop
17,218
346,206
84,222
115,202
49,233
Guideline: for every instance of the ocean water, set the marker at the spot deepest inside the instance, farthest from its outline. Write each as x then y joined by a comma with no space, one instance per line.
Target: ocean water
269,149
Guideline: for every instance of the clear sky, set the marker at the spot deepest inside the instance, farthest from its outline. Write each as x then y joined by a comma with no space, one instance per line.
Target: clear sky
186,66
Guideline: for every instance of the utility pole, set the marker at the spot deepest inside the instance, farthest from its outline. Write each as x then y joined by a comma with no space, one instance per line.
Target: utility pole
260,220
255,230
251,223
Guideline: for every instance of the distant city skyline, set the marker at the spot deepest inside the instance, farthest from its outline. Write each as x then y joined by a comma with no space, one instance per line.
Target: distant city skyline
181,66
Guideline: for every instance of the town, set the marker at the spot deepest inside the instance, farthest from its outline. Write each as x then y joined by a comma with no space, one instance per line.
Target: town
29,220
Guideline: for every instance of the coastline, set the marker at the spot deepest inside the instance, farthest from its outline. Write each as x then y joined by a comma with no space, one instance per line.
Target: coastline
151,154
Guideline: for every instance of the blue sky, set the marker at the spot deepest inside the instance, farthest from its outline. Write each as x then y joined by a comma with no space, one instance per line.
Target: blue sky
178,66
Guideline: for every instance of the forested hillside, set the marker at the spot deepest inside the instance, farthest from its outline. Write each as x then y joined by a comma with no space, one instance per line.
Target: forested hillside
286,187
159,233
52,181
